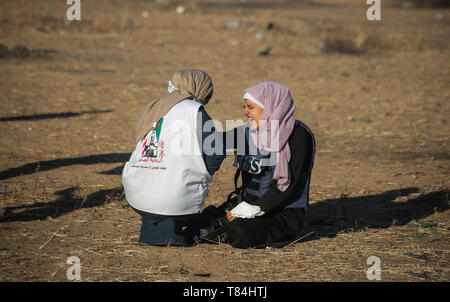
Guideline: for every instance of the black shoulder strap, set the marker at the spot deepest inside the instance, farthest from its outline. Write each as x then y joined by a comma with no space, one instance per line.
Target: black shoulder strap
237,191
236,178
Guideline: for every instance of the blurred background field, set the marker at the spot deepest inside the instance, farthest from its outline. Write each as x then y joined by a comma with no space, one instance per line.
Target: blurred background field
375,93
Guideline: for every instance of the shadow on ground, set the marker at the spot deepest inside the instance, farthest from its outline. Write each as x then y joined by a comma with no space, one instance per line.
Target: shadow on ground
41,166
330,217
69,200
47,116
326,218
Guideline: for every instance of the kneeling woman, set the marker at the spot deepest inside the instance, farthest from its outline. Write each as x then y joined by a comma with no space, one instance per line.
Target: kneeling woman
270,206
166,179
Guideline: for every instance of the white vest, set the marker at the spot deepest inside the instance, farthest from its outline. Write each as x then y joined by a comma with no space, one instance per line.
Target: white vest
166,173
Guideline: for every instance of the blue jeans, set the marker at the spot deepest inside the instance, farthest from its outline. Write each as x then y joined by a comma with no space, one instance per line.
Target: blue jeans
165,230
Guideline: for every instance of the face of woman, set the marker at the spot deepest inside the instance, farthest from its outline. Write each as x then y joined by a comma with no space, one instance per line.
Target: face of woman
253,113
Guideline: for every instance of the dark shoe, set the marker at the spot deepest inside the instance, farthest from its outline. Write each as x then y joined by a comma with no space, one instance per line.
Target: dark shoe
217,227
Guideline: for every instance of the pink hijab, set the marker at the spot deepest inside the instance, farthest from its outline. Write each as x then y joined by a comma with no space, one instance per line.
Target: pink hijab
278,106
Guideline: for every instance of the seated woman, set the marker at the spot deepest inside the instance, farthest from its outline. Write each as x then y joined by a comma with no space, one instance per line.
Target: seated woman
270,206
166,179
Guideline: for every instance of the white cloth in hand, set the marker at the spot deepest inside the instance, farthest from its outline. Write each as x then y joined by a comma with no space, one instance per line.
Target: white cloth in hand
245,210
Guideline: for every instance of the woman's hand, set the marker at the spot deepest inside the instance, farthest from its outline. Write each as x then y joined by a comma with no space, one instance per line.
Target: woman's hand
230,217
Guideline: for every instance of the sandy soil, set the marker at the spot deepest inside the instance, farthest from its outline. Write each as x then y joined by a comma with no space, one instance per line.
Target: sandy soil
375,93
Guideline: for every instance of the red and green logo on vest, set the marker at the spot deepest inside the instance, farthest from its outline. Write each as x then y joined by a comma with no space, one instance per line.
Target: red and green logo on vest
152,146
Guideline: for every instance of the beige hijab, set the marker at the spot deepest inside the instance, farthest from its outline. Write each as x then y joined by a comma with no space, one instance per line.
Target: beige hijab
185,84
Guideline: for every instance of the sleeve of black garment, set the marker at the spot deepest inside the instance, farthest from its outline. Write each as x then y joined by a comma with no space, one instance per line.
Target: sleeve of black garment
300,143
212,157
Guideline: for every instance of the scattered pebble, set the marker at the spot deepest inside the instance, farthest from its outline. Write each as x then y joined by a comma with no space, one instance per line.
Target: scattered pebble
259,35
407,4
364,88
233,24
265,52
180,9
145,14
321,48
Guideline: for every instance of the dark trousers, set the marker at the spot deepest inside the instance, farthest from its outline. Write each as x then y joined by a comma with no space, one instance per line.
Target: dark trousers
166,230
274,229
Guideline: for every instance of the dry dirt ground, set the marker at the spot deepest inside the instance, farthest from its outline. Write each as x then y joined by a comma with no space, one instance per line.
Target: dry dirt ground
375,93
